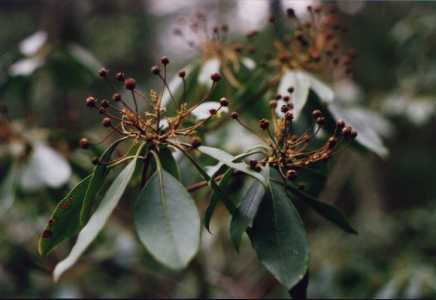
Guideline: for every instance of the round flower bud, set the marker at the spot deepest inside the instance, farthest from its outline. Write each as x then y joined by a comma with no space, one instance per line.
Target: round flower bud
234,115
340,124
320,121
182,74
116,97
316,114
90,101
215,77
286,98
284,108
104,103
164,60
103,72
331,142
253,163
101,110
291,174
290,89
120,76
84,143
107,122
289,116
273,103
264,124
224,102
130,84
212,111
155,70
346,131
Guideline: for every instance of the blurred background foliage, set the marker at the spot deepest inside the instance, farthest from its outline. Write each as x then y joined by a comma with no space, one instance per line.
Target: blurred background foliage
49,54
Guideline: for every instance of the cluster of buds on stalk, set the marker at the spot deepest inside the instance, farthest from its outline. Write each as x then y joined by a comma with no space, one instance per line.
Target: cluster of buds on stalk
291,152
154,125
313,45
213,44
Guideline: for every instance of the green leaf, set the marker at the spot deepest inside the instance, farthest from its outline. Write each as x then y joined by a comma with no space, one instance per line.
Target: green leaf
7,189
96,182
167,220
214,199
229,205
168,162
247,210
278,237
228,160
98,219
325,210
65,219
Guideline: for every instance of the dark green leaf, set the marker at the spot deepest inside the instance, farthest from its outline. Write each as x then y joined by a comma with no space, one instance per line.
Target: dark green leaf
65,219
216,197
278,237
96,181
167,220
229,205
326,210
168,162
247,210
98,219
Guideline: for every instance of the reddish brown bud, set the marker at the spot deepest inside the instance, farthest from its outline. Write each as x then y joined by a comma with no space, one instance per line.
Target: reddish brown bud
212,111
346,132
278,97
320,121
353,134
284,108
224,102
258,168
291,174
101,110
290,89
182,74
155,70
84,143
90,101
120,76
103,72
130,84
107,122
164,60
340,124
264,124
234,115
273,103
215,77
331,142
104,103
116,97
290,12
289,116
316,114
286,98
